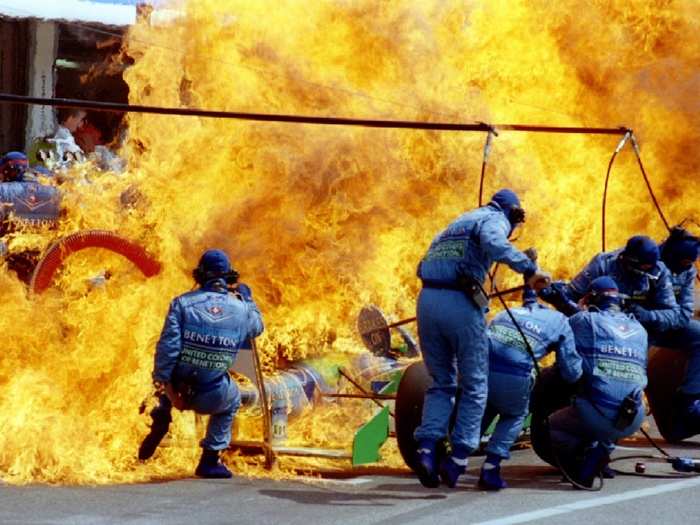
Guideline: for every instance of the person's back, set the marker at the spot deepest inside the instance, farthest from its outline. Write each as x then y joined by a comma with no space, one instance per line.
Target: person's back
469,246
215,325
29,204
533,331
613,347
614,350
546,330
24,202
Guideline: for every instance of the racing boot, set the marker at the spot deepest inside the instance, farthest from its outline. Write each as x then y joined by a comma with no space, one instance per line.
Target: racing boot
210,466
594,460
453,466
425,464
608,473
161,422
490,478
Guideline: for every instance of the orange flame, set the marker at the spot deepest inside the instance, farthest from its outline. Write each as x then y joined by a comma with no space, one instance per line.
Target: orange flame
323,220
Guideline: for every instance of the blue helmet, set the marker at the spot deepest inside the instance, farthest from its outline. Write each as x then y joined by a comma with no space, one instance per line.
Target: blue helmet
214,264
603,292
640,254
680,250
13,165
509,202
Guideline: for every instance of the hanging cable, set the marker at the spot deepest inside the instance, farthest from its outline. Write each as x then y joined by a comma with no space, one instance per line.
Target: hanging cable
487,152
635,146
619,147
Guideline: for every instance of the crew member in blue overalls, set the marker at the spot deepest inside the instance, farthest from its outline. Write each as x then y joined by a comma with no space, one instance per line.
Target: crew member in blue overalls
25,204
642,277
202,334
452,329
679,252
511,369
24,200
613,346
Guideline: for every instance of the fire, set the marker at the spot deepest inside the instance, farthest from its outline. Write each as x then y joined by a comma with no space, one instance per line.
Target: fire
321,221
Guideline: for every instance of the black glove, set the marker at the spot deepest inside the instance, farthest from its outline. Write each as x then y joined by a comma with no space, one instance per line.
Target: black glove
555,295
640,313
244,291
531,254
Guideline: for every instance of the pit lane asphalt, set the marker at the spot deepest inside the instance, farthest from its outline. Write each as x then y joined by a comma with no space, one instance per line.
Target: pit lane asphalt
536,495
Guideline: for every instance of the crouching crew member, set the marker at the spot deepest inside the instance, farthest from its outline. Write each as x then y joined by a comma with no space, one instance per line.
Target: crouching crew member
679,253
452,329
614,350
511,370
202,334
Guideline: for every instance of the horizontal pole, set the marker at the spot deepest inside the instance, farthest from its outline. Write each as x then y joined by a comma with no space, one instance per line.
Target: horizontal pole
94,105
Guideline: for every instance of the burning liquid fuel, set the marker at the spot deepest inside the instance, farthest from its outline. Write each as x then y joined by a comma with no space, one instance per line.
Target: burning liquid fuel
321,221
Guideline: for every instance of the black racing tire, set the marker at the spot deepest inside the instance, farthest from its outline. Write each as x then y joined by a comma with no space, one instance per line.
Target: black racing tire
409,409
549,394
665,372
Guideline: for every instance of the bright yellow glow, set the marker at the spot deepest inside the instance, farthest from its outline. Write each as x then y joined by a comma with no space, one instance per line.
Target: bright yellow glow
323,220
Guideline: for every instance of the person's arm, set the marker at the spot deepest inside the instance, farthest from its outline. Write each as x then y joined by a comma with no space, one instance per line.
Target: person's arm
493,238
579,285
169,344
665,313
582,330
568,359
255,323
686,297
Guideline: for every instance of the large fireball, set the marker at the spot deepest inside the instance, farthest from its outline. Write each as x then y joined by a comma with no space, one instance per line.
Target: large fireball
321,221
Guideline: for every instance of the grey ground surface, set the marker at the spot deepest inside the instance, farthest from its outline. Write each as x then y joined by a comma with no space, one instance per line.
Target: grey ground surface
371,496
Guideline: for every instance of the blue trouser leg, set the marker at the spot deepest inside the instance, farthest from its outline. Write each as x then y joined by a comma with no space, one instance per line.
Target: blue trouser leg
581,425
687,339
441,361
452,332
509,395
221,403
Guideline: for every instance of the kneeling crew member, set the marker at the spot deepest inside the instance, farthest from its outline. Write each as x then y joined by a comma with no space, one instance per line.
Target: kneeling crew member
511,373
202,334
614,350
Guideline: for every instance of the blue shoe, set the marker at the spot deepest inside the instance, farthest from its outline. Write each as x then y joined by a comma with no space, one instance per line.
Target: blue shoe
451,469
608,473
425,464
594,461
210,467
490,478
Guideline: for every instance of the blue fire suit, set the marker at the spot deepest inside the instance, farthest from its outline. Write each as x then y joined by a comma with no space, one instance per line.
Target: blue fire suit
654,295
28,204
614,351
452,328
687,335
202,334
511,367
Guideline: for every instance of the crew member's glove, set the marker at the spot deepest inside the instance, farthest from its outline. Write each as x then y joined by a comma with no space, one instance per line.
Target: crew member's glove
640,313
175,397
531,254
244,291
555,295
538,280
